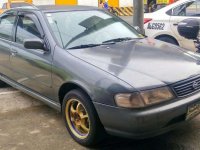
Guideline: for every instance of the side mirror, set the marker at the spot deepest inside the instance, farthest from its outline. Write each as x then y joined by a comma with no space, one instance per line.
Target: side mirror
35,43
189,28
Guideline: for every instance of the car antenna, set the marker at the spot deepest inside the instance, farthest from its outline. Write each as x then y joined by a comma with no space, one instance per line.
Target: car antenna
59,32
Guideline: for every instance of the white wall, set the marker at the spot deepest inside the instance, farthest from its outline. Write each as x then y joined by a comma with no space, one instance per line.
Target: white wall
125,3
1,2
88,2
43,2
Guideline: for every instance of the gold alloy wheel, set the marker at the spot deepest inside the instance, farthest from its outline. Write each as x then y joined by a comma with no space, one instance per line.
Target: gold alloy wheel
77,118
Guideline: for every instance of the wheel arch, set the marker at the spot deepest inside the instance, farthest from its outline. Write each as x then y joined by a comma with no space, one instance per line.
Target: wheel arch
169,36
68,86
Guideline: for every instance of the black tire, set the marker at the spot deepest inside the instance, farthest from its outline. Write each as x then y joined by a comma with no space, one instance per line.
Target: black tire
168,40
3,84
96,131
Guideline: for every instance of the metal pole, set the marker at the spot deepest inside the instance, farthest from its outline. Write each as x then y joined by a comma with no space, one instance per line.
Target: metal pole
138,16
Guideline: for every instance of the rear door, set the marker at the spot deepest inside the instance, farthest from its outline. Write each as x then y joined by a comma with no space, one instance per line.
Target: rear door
32,67
7,22
190,9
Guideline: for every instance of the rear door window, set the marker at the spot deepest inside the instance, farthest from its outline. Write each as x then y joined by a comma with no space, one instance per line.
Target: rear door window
6,26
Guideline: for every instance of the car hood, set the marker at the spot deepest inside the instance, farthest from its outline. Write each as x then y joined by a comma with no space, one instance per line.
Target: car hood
144,63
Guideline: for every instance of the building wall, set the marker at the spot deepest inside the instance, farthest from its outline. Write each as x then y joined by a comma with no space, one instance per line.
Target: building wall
125,3
43,2
113,3
2,1
88,2
66,2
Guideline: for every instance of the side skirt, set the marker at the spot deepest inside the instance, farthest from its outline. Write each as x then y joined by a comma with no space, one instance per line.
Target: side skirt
46,100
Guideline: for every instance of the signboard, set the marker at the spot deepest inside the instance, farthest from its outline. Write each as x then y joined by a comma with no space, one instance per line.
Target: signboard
162,2
158,1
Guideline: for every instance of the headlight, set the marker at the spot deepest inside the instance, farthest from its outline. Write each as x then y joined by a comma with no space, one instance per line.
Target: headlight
144,98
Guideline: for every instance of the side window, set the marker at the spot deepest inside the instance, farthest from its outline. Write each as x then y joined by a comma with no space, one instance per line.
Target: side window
188,9
26,28
180,10
198,8
6,26
191,9
4,6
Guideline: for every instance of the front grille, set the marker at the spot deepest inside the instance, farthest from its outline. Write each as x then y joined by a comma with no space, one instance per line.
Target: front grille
187,87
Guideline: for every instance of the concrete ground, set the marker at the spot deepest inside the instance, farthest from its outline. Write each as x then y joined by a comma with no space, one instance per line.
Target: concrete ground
25,123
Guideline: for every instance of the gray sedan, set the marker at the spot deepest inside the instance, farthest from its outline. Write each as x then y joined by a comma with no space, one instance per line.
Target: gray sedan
99,71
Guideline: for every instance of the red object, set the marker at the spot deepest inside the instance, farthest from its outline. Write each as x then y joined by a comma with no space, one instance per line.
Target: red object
146,20
171,1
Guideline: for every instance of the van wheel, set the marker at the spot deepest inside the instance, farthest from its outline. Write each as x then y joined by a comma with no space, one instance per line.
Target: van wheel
168,40
81,119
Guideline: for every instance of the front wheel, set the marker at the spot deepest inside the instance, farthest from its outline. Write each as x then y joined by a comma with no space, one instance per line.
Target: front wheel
81,119
2,84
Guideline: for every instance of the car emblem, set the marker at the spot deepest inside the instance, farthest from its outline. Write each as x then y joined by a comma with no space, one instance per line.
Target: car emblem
195,85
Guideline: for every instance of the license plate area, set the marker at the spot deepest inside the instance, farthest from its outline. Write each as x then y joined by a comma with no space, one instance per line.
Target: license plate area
193,111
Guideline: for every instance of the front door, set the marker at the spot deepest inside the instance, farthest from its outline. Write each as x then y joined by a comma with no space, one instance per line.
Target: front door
32,67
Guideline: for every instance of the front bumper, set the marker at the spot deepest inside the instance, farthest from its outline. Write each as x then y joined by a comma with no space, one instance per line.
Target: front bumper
146,122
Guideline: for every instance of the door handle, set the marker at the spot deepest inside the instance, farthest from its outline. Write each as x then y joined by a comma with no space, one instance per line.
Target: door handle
176,24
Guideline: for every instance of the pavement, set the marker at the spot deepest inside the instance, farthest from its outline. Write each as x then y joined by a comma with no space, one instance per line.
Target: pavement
26,123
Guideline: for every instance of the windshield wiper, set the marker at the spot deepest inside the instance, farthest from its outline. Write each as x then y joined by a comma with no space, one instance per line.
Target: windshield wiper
85,46
90,45
119,40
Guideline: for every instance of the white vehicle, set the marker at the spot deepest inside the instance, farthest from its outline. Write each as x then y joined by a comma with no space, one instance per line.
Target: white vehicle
162,24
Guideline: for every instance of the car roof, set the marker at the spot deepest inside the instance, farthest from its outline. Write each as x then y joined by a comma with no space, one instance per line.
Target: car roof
55,8
64,7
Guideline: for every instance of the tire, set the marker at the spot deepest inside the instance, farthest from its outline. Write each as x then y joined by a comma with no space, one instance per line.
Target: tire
87,131
168,40
3,84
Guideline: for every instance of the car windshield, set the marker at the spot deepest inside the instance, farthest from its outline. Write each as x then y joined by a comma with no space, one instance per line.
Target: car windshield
14,5
81,29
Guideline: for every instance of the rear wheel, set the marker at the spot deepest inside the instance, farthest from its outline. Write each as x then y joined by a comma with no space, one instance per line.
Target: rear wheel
81,119
168,40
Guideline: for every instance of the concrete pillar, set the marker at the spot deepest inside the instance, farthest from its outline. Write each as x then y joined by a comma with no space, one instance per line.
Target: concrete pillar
138,15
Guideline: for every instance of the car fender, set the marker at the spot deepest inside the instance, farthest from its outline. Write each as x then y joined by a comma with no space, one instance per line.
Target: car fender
166,33
80,85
